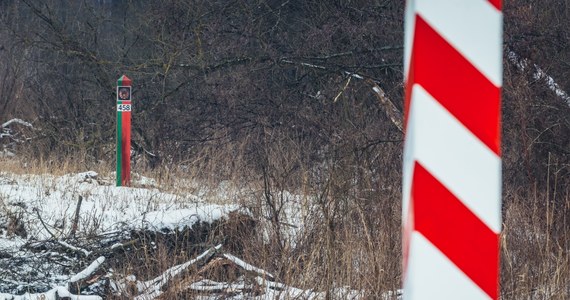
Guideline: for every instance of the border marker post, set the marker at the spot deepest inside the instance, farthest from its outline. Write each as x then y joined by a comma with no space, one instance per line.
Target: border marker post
451,210
124,108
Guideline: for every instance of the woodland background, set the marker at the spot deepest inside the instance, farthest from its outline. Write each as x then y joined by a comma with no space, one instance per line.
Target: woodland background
280,94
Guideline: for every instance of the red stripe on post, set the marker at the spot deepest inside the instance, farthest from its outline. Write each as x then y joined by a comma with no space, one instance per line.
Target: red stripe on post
126,149
450,226
498,4
462,89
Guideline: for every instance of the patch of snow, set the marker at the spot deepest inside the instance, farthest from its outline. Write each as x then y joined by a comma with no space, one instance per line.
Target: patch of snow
46,205
104,208
181,218
146,181
53,294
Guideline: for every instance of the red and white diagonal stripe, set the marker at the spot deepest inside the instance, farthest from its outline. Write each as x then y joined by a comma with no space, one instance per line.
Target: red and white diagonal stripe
452,163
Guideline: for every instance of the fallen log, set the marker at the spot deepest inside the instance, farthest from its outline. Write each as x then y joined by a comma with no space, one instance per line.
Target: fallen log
86,277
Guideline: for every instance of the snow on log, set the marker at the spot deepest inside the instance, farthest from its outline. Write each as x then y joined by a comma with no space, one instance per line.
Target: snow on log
81,279
17,121
73,248
249,267
88,271
539,74
154,286
181,218
206,285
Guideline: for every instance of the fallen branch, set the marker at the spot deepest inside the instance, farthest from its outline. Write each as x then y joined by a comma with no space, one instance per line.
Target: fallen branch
388,106
210,286
343,89
17,121
153,288
85,277
538,74
248,267
73,248
7,132
44,224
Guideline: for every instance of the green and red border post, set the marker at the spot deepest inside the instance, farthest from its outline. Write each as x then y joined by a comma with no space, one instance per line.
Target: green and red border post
124,107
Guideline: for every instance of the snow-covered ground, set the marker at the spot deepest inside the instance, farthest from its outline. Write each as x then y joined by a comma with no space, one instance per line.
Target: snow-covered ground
104,207
39,213
35,209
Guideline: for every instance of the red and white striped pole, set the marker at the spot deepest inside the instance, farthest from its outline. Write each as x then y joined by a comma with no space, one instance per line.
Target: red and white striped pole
452,159
124,107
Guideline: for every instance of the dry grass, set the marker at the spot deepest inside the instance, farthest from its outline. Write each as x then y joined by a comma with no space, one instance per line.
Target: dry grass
349,203
56,166
535,262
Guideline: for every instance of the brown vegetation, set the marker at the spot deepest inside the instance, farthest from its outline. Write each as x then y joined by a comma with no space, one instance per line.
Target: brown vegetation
263,94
